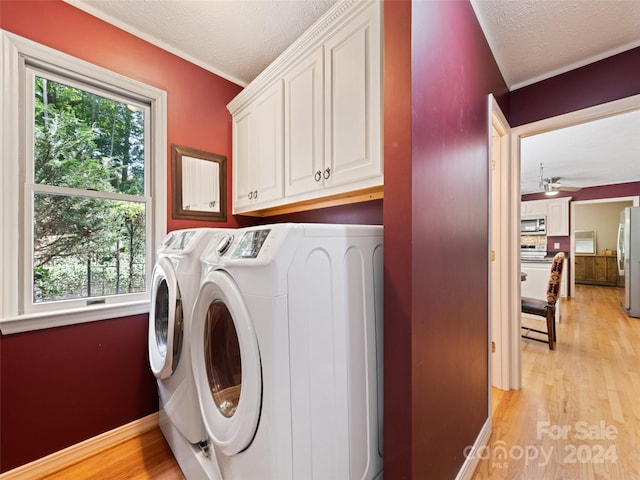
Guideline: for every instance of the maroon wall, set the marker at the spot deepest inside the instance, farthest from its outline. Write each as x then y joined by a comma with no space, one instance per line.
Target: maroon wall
436,237
398,398
64,385
610,79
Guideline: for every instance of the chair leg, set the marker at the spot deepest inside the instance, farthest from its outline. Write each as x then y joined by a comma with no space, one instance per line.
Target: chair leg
551,327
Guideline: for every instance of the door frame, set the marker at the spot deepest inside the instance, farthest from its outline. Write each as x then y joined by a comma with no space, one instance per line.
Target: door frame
501,278
541,126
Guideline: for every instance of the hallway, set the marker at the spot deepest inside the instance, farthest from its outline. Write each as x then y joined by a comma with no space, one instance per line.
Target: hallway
578,414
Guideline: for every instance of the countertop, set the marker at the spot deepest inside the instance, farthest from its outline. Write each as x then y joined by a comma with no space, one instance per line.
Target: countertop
547,259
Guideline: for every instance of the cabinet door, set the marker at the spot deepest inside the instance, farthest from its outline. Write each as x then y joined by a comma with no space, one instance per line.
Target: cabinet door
612,270
242,142
353,100
589,269
600,269
558,217
534,207
580,268
303,104
267,152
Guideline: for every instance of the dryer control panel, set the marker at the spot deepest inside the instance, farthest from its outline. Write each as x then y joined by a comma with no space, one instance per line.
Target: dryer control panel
250,244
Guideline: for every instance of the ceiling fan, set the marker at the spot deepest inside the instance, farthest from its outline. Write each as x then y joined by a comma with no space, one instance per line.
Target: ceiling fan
551,186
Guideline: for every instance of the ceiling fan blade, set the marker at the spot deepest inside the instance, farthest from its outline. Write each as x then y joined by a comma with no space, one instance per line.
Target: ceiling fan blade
568,189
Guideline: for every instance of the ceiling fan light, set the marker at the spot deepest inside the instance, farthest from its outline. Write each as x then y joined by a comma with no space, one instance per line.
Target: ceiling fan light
549,190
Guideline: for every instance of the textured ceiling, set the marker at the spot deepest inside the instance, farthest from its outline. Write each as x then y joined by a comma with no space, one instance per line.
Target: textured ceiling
536,39
235,39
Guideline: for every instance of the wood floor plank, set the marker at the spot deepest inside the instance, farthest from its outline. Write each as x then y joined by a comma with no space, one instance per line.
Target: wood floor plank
145,457
578,413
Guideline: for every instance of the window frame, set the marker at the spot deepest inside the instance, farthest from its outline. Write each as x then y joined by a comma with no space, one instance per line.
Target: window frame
17,313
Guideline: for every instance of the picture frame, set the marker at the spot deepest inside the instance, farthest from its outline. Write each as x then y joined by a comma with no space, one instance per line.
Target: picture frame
198,184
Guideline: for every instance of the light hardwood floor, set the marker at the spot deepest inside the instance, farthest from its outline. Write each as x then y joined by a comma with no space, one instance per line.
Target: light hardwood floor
578,413
147,456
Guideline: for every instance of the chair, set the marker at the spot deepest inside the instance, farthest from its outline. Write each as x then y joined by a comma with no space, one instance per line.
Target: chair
547,309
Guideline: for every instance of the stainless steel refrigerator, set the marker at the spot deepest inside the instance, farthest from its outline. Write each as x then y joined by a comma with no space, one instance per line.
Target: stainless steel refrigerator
629,258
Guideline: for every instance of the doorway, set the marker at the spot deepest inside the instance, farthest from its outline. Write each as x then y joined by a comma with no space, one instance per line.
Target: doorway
554,123
601,217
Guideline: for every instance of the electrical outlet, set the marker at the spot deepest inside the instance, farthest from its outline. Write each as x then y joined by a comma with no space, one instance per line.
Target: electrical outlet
556,245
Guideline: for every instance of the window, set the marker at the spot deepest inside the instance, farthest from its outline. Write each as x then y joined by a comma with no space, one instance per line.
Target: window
83,184
586,241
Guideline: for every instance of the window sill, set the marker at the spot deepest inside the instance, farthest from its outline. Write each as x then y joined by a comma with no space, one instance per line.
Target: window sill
40,321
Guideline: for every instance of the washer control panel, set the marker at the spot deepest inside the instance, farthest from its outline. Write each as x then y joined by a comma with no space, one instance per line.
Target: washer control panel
250,244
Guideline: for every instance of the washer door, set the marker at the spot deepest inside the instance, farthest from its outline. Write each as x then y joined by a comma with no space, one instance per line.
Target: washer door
226,364
166,321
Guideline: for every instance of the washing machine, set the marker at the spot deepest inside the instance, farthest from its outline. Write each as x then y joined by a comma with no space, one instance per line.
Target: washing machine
286,351
175,282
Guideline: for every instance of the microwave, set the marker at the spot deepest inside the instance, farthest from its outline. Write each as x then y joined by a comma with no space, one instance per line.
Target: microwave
533,225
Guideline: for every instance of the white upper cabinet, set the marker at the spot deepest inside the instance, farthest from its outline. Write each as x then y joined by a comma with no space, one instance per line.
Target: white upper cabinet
533,208
242,185
558,217
353,102
304,117
324,141
258,151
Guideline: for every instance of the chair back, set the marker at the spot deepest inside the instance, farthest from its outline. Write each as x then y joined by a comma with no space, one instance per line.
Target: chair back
553,287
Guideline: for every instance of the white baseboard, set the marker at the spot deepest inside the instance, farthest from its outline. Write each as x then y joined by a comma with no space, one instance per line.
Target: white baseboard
83,449
471,462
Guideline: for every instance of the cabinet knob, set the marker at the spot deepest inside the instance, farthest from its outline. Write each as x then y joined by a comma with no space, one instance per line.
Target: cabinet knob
327,173
318,176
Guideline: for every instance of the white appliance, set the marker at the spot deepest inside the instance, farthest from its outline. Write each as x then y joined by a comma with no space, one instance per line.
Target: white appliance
287,352
629,258
175,282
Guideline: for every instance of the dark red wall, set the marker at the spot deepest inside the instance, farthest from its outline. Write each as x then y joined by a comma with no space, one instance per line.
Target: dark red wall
398,398
64,385
436,236
69,383
610,79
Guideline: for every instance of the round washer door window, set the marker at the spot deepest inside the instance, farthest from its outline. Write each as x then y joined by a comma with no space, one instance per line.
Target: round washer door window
226,364
166,321
222,358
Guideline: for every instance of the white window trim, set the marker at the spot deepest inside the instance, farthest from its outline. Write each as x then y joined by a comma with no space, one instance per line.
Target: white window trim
13,49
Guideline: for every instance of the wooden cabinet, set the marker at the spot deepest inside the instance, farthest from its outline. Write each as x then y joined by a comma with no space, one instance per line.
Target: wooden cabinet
319,139
597,269
258,151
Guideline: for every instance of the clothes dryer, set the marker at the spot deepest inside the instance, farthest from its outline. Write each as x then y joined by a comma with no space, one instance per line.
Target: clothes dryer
286,351
175,282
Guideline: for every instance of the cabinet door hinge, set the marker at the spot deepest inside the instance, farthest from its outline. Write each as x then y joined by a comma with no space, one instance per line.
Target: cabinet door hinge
493,255
493,347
